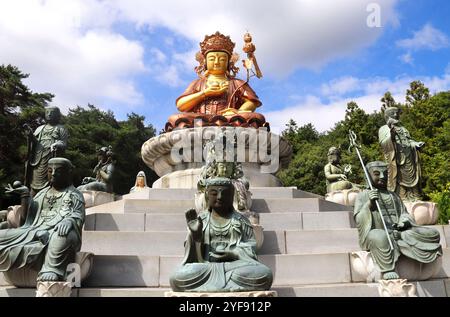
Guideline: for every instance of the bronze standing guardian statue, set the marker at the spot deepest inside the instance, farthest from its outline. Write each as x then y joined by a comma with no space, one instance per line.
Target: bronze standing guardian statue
401,153
49,140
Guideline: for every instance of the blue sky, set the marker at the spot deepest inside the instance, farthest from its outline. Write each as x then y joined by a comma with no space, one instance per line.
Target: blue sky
138,56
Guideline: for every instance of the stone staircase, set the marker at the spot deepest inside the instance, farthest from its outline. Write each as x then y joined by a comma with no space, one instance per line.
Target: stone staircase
138,242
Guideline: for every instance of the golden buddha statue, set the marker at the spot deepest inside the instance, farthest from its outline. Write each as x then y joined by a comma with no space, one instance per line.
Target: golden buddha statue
217,97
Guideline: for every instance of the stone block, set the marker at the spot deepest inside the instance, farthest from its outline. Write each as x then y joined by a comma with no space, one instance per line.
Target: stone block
285,205
165,222
327,220
325,205
11,291
158,206
123,292
228,294
446,230
433,288
292,270
124,271
89,222
274,243
95,198
321,241
115,207
281,221
332,290
445,269
134,243
120,222
447,287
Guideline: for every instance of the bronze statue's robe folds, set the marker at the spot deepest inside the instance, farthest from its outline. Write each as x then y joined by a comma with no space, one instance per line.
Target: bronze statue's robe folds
203,271
28,244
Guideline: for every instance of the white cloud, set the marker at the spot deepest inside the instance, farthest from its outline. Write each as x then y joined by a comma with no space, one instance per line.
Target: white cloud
340,86
407,58
72,49
324,114
288,34
426,38
158,55
69,49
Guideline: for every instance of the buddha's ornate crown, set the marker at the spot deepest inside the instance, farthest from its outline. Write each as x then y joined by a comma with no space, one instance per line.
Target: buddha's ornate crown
217,42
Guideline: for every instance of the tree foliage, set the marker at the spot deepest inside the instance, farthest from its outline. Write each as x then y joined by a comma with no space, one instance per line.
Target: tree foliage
426,117
18,105
89,129
93,128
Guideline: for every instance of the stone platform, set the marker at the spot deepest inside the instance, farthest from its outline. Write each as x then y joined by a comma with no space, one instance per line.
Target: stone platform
228,294
308,243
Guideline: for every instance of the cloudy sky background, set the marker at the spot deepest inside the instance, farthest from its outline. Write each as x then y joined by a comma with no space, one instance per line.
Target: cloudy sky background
138,56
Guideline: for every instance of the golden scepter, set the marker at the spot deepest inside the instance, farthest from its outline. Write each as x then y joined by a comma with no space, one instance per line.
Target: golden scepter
250,49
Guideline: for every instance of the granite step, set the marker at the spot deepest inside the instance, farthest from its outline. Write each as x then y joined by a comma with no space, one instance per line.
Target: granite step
269,205
290,270
153,243
177,222
188,193
432,288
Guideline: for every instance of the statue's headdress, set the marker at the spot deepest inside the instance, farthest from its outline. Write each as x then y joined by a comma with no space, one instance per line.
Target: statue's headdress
217,42
334,150
219,181
61,161
375,164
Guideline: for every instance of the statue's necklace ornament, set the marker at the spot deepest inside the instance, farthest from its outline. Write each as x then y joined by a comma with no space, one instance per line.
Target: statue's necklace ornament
51,201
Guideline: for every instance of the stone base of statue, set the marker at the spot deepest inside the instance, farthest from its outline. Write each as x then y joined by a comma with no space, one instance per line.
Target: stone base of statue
177,156
188,178
26,276
366,270
94,198
11,216
225,294
396,288
53,289
345,197
424,212
190,120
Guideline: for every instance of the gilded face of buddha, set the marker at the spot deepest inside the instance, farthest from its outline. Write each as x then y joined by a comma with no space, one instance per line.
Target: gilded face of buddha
217,62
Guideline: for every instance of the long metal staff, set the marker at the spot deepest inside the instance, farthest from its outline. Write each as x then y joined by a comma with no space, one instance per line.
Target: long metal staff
354,144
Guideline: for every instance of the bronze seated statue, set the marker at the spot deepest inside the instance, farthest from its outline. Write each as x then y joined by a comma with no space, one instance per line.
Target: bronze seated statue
220,248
